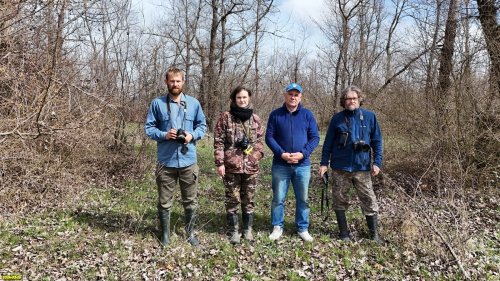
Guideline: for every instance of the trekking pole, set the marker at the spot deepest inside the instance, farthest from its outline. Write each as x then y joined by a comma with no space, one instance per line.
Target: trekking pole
324,195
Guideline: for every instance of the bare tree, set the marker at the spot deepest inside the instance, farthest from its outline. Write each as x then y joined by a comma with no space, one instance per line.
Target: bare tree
400,7
212,41
221,14
338,28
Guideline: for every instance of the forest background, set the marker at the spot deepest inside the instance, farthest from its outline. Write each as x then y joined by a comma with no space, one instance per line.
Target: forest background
76,186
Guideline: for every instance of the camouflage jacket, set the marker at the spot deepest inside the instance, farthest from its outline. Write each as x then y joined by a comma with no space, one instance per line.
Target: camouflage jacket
228,132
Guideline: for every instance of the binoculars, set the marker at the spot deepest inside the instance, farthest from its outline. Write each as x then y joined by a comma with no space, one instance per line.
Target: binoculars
181,136
361,146
245,145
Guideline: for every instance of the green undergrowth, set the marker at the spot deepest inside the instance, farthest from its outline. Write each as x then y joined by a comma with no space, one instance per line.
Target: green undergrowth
111,234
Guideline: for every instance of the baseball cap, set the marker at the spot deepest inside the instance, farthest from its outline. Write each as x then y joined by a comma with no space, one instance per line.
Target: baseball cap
294,86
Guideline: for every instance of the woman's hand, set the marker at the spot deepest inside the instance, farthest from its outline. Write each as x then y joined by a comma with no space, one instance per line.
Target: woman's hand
221,170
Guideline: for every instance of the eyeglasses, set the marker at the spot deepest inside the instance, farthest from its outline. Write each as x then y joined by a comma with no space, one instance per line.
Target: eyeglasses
351,99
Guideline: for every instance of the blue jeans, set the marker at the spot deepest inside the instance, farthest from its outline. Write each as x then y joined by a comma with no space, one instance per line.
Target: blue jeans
299,176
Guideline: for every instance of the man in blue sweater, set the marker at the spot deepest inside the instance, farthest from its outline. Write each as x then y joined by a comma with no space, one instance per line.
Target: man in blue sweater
352,137
176,121
292,135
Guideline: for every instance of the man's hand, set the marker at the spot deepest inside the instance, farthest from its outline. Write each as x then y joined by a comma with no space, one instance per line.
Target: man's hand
322,170
375,170
171,134
285,156
291,158
221,170
297,156
189,138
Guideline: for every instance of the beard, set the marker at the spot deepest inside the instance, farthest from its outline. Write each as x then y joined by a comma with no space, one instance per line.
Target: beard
352,107
175,91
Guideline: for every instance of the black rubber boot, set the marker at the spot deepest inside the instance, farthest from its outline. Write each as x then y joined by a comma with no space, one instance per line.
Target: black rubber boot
372,228
342,222
164,216
247,226
233,227
190,220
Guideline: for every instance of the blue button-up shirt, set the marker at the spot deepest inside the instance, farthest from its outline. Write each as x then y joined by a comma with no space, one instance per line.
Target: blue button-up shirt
188,116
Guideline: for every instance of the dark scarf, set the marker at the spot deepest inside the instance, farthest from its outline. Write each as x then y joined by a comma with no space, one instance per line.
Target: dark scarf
242,113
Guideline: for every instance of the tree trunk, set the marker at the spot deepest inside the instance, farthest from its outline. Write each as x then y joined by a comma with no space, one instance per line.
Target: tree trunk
430,66
446,67
488,15
208,76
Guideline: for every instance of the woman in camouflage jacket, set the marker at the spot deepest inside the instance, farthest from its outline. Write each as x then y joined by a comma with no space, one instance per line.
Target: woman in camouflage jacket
238,149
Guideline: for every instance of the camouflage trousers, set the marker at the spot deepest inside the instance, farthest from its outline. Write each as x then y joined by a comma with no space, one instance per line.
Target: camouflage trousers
240,189
362,183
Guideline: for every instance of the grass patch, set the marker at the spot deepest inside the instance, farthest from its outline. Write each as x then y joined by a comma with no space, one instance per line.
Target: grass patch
111,234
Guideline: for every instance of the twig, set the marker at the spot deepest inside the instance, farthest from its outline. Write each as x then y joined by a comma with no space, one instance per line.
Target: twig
427,170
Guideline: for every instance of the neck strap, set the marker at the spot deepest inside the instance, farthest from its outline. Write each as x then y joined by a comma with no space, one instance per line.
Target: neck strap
183,103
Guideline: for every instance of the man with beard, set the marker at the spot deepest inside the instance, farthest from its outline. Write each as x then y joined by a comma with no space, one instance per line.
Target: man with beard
352,138
176,121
